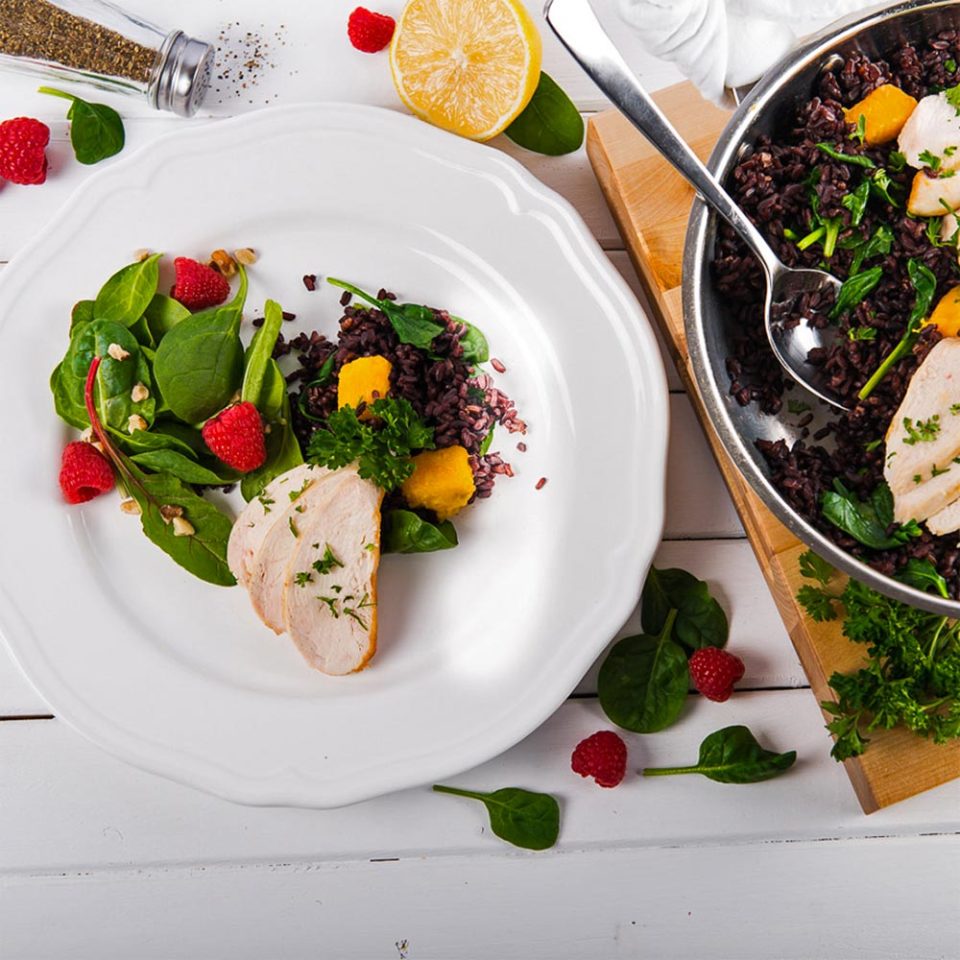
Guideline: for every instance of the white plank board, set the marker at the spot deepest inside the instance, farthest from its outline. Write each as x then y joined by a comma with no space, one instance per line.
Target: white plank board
88,811
793,901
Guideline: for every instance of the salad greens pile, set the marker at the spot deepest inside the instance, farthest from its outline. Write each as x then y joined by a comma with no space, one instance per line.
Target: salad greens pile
911,677
159,372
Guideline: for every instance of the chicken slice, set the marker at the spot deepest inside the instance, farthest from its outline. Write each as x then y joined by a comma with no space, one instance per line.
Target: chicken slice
946,521
928,497
259,515
930,196
924,434
330,590
269,563
933,128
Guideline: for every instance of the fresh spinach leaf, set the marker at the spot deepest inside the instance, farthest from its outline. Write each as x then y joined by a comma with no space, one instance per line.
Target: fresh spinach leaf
525,819
199,363
182,467
923,575
115,378
866,521
474,344
126,295
65,397
406,532
700,622
96,130
157,437
733,755
854,289
643,683
550,123
162,314
260,352
854,158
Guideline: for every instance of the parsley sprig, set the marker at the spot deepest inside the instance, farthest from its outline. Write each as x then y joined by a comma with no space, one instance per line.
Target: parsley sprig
912,675
381,446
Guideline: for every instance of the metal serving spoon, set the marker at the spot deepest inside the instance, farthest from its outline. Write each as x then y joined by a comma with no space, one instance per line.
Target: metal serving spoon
579,30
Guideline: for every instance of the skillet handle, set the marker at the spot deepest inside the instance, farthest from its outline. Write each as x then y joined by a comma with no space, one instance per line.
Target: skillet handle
576,25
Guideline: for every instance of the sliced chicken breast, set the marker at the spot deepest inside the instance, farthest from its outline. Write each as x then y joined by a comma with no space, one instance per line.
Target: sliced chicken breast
946,521
925,431
269,563
934,128
927,497
330,588
930,196
259,515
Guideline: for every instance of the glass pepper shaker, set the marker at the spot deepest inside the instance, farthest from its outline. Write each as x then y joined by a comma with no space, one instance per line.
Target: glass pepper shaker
90,41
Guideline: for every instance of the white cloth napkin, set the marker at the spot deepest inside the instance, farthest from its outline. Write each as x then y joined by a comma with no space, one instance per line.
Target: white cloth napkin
727,43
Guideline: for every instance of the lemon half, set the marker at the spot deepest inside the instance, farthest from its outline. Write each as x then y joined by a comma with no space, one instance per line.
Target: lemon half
468,66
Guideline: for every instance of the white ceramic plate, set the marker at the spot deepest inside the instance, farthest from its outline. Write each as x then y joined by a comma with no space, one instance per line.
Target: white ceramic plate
477,646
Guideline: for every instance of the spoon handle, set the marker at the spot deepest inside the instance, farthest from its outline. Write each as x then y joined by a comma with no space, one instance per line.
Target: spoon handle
579,30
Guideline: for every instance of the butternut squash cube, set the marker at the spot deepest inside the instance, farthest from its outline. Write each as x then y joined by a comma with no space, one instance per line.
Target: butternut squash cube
442,481
363,380
946,314
884,111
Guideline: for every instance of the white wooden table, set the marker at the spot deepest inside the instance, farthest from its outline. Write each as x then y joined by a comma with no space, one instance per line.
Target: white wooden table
100,860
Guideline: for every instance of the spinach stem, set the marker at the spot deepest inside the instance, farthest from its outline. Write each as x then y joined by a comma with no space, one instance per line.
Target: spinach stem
897,353
457,792
53,92
811,238
356,291
668,771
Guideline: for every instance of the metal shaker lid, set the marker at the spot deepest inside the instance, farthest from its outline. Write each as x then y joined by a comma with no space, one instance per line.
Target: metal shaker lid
183,77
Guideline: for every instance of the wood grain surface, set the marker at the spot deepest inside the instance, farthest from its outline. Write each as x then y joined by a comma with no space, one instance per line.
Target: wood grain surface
651,205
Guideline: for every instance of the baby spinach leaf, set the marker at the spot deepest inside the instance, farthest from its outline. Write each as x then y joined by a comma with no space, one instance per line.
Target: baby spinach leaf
156,438
854,289
126,295
182,467
923,575
879,244
115,378
643,683
199,363
204,553
96,130
162,314
525,819
866,521
81,313
474,343
733,755
406,532
260,352
283,449
550,123
65,397
701,621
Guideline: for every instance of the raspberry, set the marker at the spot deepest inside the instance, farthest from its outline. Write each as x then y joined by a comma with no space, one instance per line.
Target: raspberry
602,756
85,472
235,435
22,156
714,672
197,285
370,32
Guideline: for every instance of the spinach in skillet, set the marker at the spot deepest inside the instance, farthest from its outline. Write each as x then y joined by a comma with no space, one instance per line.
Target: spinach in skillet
869,521
732,755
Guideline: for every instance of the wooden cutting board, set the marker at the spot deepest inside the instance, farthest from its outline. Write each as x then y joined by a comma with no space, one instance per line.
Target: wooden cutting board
651,204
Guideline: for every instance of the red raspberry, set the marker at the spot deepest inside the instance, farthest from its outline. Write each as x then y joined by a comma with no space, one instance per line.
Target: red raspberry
602,756
714,672
235,435
370,32
198,286
22,156
85,472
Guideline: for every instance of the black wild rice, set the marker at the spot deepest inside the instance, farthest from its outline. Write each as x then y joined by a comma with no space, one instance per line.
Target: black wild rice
773,184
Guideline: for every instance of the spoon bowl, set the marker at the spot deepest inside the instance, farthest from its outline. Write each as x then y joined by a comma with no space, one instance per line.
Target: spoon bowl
578,29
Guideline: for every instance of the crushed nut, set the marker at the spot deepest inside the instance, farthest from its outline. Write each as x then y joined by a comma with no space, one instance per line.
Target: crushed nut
222,261
130,506
139,393
135,422
97,444
170,511
246,256
141,254
182,528
117,352
266,428
87,435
